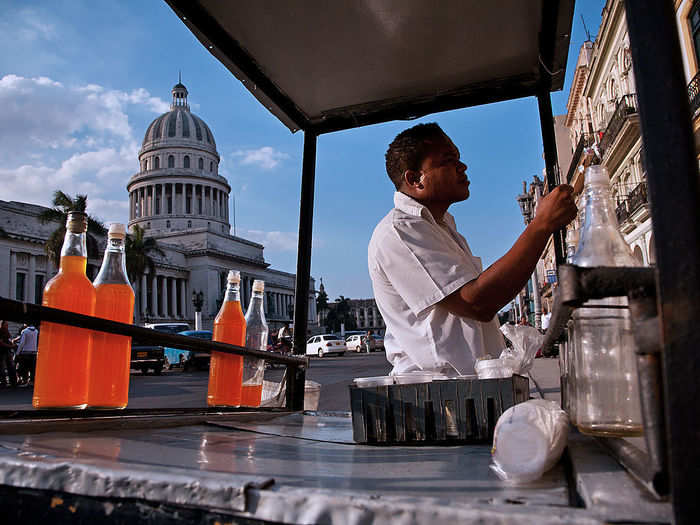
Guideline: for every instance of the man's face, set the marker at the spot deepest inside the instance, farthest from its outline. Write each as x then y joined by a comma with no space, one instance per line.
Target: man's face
443,175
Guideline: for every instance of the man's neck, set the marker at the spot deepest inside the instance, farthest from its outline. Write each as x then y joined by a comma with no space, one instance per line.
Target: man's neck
437,209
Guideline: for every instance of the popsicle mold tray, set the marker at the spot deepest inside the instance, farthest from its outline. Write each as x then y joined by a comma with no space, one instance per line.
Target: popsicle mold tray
454,411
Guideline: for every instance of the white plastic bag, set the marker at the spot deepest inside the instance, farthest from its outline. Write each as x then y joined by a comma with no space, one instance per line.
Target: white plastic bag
528,440
527,340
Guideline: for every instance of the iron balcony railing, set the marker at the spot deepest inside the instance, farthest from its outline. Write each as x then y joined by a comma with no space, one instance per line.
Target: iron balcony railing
635,200
694,94
626,106
586,140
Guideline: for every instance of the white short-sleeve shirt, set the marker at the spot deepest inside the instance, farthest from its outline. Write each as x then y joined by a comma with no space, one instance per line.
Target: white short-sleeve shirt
414,263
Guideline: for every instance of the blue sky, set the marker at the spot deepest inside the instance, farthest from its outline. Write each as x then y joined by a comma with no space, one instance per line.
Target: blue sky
81,80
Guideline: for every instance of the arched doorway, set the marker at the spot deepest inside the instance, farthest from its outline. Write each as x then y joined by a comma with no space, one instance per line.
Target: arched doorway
637,253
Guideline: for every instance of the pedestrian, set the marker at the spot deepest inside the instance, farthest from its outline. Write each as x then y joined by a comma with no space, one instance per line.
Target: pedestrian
25,356
524,321
545,319
438,304
368,341
7,363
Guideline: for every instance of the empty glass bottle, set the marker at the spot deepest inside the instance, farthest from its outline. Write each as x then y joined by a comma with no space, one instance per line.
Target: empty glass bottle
255,337
607,390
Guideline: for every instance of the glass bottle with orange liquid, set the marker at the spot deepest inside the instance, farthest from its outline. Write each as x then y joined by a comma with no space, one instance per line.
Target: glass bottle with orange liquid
111,354
226,370
63,354
255,337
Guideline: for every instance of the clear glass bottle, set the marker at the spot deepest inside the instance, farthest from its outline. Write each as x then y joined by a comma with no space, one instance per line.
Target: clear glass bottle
111,354
566,357
226,370
63,354
255,337
607,389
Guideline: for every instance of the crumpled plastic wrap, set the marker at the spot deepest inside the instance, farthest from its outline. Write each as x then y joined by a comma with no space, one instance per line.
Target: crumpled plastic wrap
527,340
528,440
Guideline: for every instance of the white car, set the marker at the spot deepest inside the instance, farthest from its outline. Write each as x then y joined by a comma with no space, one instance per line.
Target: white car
325,344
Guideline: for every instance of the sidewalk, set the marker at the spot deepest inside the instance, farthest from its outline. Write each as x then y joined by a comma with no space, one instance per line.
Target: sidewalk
545,372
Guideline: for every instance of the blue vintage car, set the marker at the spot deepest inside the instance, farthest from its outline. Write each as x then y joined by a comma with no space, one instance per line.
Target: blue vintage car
186,359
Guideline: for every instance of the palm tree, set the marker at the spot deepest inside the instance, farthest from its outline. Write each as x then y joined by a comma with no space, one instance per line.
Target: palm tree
62,205
138,249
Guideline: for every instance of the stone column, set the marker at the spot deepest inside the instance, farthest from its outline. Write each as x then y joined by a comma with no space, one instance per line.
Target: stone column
211,201
142,205
31,280
173,296
155,302
144,292
183,298
13,276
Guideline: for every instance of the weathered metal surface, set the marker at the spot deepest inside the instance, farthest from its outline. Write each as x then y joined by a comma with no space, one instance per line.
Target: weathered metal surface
674,190
606,489
578,285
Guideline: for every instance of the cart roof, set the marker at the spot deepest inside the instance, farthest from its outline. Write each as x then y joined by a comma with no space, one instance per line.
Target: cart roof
326,66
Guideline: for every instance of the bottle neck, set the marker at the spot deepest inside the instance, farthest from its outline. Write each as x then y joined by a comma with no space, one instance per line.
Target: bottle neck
256,304
233,293
113,270
600,209
74,244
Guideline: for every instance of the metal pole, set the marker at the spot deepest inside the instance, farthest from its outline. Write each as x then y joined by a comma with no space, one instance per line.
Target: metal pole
674,191
551,162
306,219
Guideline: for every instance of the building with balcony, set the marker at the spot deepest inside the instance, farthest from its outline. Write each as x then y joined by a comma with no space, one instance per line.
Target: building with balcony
602,112
181,201
688,21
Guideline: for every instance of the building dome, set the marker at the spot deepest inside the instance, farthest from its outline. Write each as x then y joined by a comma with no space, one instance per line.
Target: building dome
178,187
179,125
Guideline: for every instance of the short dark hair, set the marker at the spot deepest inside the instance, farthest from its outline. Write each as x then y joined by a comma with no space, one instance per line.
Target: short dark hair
409,148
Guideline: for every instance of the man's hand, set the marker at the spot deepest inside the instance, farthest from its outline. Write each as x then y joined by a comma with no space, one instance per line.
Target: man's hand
556,209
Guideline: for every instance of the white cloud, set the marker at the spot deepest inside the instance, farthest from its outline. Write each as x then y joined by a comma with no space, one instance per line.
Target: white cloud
74,138
275,240
266,157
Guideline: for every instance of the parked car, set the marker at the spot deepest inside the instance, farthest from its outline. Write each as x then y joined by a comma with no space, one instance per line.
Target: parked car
188,359
325,344
356,343
145,357
379,343
168,328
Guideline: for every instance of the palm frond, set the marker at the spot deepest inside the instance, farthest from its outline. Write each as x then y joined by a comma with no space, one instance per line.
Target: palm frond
52,215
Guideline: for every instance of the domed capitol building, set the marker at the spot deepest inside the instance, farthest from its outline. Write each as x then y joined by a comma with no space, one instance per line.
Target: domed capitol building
181,201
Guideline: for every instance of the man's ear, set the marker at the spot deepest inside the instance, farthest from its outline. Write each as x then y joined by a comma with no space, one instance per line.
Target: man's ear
412,179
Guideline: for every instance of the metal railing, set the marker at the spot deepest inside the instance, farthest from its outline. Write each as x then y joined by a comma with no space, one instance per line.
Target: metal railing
32,313
626,106
585,141
635,200
694,94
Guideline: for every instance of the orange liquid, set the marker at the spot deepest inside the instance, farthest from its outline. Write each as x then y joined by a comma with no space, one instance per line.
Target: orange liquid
111,354
226,370
63,357
251,395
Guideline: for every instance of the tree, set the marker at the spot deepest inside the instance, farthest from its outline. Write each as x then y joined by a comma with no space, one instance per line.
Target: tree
342,311
138,259
62,205
322,301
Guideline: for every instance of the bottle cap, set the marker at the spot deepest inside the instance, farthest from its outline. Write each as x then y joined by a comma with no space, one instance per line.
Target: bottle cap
258,285
597,174
77,222
234,277
117,230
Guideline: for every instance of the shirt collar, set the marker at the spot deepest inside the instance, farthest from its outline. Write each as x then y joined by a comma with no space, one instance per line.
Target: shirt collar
411,206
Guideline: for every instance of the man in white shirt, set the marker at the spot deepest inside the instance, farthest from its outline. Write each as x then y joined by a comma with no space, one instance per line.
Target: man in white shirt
25,356
437,302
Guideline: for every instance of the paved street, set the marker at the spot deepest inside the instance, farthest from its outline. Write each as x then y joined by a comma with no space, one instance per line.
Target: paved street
178,389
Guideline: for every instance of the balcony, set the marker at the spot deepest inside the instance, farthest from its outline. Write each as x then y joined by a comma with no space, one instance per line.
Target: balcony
694,94
585,141
626,107
636,199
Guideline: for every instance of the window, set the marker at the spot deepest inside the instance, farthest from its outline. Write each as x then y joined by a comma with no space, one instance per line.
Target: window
189,224
157,161
694,20
211,166
170,204
187,161
19,286
201,163
167,224
171,161
145,165
38,288
188,204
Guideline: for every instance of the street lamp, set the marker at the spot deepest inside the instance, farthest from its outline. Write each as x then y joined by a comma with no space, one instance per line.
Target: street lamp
526,201
197,302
